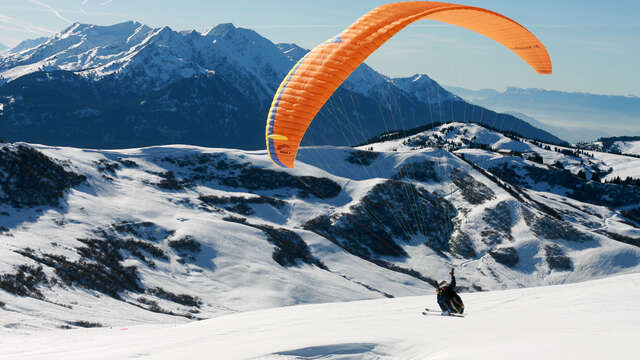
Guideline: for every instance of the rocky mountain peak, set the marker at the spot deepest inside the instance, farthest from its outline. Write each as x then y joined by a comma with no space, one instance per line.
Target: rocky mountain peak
221,30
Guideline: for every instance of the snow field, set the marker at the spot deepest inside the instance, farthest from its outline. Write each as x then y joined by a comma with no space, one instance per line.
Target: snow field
235,271
591,320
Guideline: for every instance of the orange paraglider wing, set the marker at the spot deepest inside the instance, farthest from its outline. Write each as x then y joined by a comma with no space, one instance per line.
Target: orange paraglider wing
317,75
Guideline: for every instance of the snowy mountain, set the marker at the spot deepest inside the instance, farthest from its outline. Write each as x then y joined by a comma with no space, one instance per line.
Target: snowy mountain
572,116
151,58
367,81
28,44
577,321
129,85
425,89
629,145
175,233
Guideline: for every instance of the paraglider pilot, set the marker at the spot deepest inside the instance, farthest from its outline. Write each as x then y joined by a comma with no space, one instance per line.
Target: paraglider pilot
448,299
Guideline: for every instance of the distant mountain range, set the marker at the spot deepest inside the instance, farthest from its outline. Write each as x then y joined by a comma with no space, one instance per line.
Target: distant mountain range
129,85
572,116
27,44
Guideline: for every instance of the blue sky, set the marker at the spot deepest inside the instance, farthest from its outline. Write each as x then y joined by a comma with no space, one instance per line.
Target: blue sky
594,45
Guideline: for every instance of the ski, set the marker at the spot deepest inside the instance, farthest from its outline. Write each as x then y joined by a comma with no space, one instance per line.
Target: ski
439,313
432,312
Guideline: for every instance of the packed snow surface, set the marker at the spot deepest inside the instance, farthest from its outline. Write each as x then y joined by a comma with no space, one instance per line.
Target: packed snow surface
591,320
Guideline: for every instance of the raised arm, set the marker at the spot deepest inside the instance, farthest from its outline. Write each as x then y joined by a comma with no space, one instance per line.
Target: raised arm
453,280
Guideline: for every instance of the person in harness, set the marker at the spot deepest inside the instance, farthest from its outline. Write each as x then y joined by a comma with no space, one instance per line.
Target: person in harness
449,301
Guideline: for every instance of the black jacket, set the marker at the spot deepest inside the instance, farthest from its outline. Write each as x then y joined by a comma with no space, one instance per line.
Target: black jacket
448,292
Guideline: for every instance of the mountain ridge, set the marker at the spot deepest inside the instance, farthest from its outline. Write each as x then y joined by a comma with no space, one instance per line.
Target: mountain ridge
147,70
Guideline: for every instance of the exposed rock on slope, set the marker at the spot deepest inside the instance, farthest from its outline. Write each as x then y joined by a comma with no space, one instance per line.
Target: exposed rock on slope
29,178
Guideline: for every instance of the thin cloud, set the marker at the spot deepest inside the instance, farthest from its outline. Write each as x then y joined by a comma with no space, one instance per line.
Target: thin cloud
54,11
107,2
84,2
84,12
10,24
13,28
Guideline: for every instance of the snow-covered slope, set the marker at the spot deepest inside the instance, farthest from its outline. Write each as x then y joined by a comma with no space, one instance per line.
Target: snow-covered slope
28,44
152,58
482,145
179,232
592,320
425,89
627,145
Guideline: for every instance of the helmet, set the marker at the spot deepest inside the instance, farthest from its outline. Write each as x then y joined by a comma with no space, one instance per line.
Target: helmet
443,284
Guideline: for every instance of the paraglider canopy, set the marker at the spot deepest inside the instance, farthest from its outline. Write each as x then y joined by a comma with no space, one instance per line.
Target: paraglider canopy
318,74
